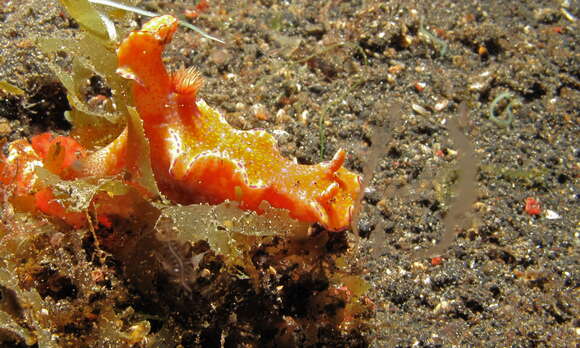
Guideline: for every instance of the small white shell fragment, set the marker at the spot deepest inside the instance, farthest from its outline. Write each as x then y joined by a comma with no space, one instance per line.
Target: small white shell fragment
240,106
304,116
442,307
281,135
441,105
282,116
259,111
481,81
476,86
419,109
552,215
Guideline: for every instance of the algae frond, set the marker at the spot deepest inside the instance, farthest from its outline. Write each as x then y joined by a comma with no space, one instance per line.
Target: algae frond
438,43
8,88
92,54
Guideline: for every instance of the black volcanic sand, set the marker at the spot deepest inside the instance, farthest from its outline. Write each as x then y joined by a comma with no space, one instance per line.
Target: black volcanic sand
323,75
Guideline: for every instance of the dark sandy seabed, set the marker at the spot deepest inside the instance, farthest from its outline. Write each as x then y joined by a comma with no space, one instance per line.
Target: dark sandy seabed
324,75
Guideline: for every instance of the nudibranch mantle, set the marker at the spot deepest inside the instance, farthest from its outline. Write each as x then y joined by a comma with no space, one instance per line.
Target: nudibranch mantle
198,157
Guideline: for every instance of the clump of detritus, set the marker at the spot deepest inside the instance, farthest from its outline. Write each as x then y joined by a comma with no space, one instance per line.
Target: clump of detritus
466,183
456,187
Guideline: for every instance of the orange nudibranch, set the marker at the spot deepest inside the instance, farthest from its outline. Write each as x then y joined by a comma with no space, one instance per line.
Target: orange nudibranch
198,157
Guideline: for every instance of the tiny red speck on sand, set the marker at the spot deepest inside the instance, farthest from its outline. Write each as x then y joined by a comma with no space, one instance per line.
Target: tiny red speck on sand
436,261
532,206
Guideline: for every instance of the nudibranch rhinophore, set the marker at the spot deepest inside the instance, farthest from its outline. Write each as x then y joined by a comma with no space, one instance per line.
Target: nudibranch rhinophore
198,157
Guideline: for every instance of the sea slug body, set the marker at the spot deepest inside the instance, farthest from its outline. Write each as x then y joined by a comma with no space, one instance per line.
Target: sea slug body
198,157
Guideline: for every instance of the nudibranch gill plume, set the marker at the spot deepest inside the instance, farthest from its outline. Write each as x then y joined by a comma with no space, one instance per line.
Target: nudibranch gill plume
198,157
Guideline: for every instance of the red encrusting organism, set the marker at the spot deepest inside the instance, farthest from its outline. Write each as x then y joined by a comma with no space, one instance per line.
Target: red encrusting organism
532,206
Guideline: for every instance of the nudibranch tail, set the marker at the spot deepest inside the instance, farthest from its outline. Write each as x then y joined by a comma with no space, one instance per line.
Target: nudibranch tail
198,157
60,155
64,156
109,160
